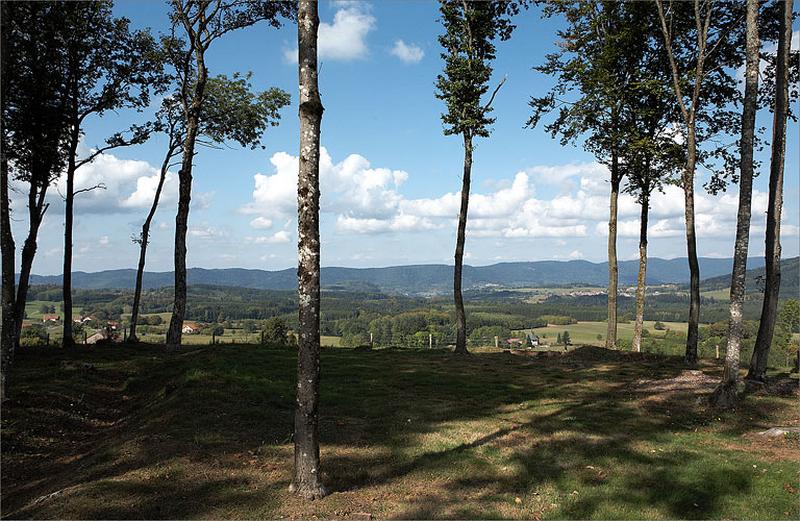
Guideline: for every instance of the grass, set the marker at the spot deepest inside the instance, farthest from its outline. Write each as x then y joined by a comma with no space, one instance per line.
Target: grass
585,333
206,433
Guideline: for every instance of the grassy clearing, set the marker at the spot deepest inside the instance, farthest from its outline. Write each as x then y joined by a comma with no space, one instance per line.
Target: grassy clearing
585,333
206,433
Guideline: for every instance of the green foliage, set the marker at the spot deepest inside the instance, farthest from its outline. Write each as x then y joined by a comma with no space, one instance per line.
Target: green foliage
789,315
468,42
658,326
565,338
275,331
233,111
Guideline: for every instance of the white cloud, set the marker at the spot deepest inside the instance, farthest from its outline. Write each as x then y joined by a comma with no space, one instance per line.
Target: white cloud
407,53
261,223
345,38
103,241
276,238
129,185
205,232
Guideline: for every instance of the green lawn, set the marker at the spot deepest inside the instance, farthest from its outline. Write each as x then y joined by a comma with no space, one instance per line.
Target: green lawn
585,333
206,433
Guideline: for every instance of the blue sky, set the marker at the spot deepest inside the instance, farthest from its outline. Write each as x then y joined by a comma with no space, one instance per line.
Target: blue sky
390,177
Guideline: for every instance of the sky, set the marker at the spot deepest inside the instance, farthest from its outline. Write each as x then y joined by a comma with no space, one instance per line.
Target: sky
390,178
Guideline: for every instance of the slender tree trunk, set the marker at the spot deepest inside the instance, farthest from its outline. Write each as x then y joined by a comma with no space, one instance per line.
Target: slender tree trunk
36,211
691,247
772,251
7,340
69,200
461,316
613,268
641,281
145,239
174,332
307,481
726,394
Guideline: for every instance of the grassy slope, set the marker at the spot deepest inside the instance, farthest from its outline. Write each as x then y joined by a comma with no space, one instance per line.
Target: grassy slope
406,434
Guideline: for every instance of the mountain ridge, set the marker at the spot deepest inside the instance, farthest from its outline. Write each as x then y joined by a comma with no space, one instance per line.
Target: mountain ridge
419,279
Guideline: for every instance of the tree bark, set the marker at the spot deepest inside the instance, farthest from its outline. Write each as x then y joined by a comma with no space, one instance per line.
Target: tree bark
641,282
174,332
613,268
307,481
145,239
7,337
461,316
772,251
691,247
725,394
69,201
36,211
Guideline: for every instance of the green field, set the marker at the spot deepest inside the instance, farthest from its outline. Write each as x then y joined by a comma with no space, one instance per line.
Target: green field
585,333
406,434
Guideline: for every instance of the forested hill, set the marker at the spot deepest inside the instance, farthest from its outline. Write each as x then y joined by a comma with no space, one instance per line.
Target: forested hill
790,279
418,279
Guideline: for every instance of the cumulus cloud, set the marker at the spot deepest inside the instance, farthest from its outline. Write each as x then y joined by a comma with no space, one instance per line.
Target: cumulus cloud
280,237
368,200
129,185
351,187
345,38
408,53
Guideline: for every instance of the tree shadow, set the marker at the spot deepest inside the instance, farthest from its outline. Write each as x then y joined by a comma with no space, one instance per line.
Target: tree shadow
387,418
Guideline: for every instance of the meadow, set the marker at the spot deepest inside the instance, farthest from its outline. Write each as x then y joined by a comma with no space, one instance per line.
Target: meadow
137,432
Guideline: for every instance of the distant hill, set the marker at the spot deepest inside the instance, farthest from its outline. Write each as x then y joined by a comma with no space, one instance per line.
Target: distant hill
790,279
426,279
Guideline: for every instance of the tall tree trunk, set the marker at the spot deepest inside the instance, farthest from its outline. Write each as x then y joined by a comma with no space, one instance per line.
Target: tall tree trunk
691,247
307,481
772,251
726,394
461,316
174,332
613,268
69,200
641,281
144,240
7,340
36,211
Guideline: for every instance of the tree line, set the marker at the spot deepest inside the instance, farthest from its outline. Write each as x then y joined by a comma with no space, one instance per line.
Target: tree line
648,87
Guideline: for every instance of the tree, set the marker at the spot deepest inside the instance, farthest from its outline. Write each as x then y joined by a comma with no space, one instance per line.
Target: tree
233,112
599,51
468,41
32,151
108,67
558,339
307,481
769,309
650,155
275,331
700,41
725,395
565,338
203,22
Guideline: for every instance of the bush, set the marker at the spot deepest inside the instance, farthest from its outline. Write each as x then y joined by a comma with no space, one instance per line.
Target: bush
275,331
658,326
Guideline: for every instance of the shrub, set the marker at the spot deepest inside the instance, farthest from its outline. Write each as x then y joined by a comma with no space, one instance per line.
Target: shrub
275,331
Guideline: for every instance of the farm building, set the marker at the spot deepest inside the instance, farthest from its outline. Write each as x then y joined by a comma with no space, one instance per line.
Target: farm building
51,318
191,328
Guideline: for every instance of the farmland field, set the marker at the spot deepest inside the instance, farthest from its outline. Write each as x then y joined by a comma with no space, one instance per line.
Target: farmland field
585,333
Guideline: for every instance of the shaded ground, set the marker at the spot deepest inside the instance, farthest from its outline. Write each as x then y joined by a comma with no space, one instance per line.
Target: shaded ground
123,432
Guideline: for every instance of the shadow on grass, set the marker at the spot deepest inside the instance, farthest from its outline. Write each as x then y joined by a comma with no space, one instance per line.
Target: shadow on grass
460,436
